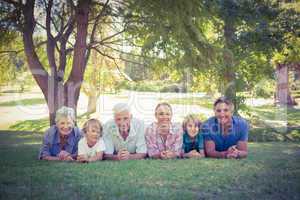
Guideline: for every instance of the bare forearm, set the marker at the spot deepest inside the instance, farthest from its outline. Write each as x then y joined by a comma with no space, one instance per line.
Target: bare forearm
155,156
137,156
111,157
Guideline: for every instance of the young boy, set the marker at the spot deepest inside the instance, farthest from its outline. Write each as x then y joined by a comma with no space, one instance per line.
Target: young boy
192,139
91,146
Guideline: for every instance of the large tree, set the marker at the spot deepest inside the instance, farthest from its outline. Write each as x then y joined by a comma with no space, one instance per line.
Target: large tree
68,30
233,40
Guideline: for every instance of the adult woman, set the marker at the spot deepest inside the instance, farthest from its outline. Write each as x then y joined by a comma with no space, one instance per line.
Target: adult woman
61,140
163,138
225,135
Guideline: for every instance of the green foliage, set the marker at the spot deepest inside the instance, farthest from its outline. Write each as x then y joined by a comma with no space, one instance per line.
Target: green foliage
222,43
26,177
174,31
143,86
205,102
151,86
136,68
13,66
265,88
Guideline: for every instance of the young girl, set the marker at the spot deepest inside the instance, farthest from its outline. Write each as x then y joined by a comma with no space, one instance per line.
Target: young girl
192,139
91,146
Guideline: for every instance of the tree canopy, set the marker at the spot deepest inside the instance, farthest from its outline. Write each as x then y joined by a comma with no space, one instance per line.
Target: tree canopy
227,42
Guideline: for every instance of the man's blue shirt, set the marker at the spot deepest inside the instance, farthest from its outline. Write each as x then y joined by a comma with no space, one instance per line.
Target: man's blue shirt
238,132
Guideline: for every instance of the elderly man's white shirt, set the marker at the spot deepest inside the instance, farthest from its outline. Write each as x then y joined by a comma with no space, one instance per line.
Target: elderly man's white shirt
134,143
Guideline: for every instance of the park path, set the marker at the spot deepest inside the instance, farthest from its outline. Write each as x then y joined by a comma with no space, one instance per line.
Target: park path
141,103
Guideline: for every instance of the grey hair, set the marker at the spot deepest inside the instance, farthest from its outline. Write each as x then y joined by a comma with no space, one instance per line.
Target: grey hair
121,107
65,112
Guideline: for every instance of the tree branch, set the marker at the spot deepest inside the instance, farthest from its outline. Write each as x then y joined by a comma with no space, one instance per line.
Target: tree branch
16,4
92,36
50,41
115,62
35,66
63,38
21,50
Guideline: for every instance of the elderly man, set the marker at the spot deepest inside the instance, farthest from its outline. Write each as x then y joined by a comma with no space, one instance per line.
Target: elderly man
124,136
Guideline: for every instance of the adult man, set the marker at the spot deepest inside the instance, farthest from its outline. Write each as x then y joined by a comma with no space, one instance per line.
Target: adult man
124,135
225,135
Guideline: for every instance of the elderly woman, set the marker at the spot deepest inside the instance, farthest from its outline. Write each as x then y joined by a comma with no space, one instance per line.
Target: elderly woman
61,140
225,135
164,138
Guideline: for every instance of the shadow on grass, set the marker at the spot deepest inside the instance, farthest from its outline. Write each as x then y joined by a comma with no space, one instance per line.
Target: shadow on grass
24,102
13,91
8,137
31,125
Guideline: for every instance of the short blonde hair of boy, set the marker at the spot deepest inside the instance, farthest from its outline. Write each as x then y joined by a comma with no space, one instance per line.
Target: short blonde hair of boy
190,117
93,124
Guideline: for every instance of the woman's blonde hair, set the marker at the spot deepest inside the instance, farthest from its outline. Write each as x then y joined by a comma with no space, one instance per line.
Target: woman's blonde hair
93,124
190,117
164,104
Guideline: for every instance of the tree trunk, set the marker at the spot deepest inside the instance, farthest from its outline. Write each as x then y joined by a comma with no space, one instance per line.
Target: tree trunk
229,86
73,84
55,92
92,103
283,96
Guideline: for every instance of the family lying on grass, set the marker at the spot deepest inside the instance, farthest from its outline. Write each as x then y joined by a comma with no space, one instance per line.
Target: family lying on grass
125,138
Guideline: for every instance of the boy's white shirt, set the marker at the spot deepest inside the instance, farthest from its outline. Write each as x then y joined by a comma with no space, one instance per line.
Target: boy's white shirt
84,149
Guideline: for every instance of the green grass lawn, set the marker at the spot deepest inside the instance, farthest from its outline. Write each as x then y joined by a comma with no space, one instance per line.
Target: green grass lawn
24,102
38,125
272,171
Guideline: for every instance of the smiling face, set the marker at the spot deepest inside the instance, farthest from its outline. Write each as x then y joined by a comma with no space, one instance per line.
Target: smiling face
223,113
92,135
122,119
163,116
192,128
65,126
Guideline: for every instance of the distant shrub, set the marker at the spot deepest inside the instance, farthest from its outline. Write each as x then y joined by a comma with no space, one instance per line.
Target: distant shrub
151,86
274,135
173,88
265,88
